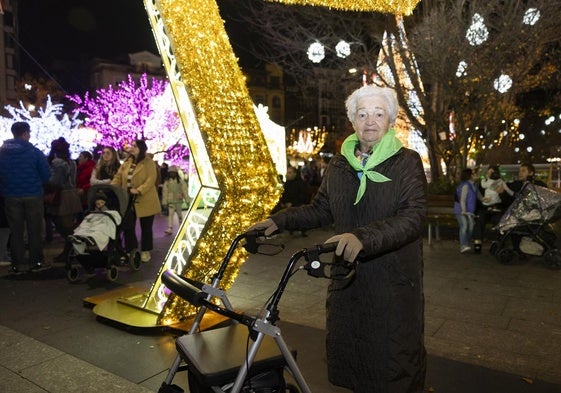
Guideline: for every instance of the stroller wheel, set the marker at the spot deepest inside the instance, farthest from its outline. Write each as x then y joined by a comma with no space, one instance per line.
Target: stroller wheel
112,273
552,259
134,260
507,256
494,248
73,274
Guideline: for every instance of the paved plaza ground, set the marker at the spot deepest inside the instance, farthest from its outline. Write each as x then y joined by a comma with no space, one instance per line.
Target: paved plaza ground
489,327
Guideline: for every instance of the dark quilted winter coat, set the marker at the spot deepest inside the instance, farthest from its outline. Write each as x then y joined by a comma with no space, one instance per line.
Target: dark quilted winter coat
375,319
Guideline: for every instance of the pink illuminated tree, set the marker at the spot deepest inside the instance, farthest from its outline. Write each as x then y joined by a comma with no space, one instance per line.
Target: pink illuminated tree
133,111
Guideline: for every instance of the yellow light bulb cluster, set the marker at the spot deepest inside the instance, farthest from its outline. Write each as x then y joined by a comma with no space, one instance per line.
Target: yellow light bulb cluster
232,137
399,7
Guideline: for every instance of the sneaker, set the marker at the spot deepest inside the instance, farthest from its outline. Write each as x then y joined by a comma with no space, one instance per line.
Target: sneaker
145,256
5,263
465,249
168,231
39,266
16,271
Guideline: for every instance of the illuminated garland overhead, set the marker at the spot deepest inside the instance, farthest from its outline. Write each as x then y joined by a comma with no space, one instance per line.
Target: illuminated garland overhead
398,7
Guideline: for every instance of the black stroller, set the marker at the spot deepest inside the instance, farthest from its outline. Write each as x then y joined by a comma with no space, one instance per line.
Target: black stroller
525,228
89,256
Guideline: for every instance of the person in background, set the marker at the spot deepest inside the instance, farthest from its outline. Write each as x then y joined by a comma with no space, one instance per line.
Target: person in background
526,173
174,194
4,235
86,165
375,195
106,167
138,175
164,176
98,226
23,172
296,192
63,176
493,185
464,207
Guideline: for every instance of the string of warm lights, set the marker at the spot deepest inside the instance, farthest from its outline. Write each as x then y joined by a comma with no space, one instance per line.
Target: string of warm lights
398,7
231,134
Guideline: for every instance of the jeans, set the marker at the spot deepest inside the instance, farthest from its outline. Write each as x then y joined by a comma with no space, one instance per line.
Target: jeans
23,212
4,237
466,223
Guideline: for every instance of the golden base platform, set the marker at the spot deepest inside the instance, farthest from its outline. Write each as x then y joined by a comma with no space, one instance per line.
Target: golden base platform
123,307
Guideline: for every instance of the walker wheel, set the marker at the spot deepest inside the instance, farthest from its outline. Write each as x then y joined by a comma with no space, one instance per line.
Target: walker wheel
112,273
507,256
134,260
73,274
552,259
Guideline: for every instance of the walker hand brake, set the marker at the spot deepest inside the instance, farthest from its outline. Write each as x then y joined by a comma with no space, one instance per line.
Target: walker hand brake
314,266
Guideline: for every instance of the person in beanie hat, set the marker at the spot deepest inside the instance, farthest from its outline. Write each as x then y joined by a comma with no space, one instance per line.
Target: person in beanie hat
96,228
174,194
23,172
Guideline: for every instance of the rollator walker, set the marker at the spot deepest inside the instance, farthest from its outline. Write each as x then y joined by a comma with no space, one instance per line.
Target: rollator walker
249,354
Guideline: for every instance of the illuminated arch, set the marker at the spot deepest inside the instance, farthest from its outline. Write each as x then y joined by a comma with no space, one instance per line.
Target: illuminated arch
238,181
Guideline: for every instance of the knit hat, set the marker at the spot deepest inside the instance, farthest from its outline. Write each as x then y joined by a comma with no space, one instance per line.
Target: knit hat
60,144
100,195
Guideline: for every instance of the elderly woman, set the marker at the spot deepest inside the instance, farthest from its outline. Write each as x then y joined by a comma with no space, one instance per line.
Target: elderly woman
374,194
138,176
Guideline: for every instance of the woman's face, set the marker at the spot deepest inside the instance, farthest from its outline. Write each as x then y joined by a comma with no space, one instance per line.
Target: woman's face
372,120
134,149
106,155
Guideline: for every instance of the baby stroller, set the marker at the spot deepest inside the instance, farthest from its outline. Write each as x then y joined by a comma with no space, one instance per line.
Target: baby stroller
90,257
525,228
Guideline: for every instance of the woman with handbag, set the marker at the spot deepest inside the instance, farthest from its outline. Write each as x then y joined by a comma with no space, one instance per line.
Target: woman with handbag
138,176
63,177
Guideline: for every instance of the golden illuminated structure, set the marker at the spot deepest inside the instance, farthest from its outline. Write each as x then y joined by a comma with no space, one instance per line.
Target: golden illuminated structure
238,181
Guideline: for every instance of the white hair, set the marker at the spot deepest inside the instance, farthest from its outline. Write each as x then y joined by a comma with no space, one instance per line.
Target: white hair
388,94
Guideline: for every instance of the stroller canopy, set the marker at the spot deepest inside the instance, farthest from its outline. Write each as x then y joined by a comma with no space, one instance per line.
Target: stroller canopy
532,205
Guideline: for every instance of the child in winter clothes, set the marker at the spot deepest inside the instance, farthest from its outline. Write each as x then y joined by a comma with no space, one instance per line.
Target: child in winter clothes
174,192
97,227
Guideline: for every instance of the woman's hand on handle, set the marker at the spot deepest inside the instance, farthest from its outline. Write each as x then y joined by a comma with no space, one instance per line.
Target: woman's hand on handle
267,225
348,245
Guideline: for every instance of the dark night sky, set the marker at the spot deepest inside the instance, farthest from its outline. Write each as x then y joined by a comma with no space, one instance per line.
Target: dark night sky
63,36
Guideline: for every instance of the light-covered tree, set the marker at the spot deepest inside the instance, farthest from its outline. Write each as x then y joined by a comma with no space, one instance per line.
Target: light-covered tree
142,109
472,63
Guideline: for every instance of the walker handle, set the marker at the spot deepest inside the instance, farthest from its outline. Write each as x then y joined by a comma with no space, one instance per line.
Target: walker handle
183,288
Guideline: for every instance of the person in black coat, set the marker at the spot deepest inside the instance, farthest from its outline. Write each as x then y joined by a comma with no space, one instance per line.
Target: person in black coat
296,192
374,194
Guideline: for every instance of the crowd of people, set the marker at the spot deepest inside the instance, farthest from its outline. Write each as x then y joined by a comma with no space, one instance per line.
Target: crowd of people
42,196
483,200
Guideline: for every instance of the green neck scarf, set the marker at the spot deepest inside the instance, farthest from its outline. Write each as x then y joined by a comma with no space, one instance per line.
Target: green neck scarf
387,147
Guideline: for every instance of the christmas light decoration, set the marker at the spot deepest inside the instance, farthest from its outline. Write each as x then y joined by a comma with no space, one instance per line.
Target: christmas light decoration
48,124
234,168
398,7
477,33
136,110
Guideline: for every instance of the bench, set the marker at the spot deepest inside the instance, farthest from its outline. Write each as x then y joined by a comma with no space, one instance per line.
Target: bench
440,211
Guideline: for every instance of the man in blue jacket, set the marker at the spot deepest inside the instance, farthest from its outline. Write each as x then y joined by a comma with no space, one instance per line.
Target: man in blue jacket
23,172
